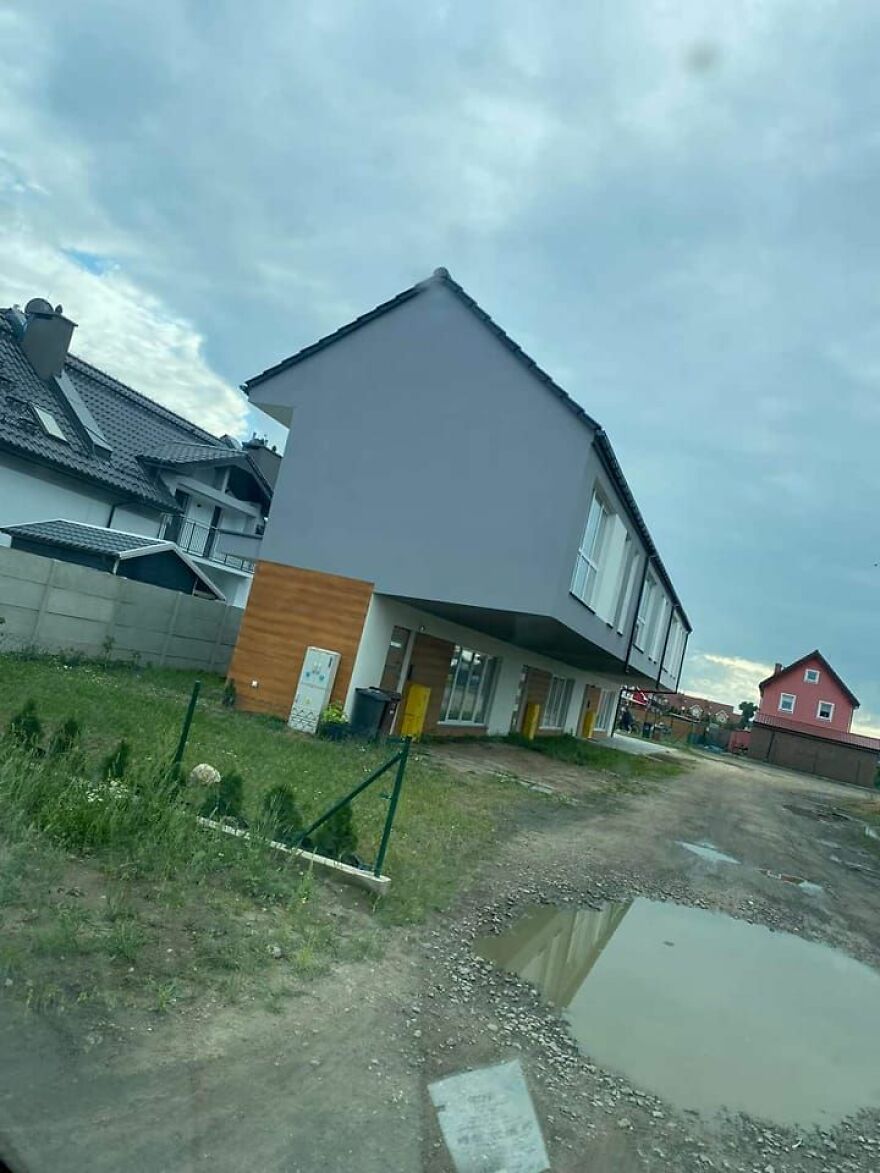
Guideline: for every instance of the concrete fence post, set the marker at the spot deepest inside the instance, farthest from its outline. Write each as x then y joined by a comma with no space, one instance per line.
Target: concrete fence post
170,629
44,602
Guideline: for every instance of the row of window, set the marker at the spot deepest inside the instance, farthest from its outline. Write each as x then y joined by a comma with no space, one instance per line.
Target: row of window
606,575
824,710
469,685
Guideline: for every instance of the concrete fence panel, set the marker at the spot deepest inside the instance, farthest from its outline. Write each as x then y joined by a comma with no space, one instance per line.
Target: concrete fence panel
58,607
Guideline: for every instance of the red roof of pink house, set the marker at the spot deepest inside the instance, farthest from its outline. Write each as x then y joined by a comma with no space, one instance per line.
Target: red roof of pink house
777,721
815,655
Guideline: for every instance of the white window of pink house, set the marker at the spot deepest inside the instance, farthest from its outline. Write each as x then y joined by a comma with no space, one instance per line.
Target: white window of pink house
811,675
786,702
825,711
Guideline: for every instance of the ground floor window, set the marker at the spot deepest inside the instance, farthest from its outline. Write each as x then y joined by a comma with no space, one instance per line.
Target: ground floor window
468,687
557,704
605,712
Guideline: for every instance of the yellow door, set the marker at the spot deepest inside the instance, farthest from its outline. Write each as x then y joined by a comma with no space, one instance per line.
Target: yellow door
531,716
589,722
415,709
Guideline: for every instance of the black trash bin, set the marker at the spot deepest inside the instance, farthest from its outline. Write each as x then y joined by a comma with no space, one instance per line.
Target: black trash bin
370,712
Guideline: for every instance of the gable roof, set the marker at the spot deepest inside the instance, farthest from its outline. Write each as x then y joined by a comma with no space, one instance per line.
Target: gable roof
177,455
94,539
133,425
603,444
814,655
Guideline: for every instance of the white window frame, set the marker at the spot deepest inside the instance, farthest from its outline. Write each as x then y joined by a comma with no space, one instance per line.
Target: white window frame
554,712
483,697
819,714
628,585
605,710
661,619
588,562
811,675
641,632
793,697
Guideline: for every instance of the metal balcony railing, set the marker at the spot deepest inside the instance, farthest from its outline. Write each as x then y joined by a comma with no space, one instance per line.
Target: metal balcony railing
202,540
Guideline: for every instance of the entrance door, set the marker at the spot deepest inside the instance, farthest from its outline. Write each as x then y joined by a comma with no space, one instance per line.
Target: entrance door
392,673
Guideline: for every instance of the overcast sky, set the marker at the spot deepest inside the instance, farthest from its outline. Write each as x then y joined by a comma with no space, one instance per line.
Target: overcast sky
672,206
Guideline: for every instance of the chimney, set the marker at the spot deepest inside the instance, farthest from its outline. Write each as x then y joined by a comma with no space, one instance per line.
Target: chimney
777,668
46,338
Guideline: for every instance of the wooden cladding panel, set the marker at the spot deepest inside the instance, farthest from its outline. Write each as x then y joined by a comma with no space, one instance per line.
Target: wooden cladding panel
288,611
537,687
429,665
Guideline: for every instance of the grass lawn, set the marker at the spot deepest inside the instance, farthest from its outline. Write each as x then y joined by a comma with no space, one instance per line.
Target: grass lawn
112,894
594,756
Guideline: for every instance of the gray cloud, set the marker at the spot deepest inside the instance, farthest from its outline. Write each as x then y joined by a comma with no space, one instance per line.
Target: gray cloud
671,206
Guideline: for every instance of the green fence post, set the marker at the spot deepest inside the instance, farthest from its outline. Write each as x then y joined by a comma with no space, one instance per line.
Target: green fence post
187,721
392,806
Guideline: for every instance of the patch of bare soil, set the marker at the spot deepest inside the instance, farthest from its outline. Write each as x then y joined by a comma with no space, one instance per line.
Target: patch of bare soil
337,1078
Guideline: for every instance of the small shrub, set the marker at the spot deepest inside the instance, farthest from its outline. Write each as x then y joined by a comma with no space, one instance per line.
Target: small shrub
66,738
229,694
337,837
26,728
281,817
116,763
226,801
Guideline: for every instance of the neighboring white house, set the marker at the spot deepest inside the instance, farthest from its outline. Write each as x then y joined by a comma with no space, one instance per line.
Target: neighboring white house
77,445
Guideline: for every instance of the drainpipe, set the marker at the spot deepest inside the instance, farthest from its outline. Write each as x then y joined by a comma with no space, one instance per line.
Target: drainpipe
665,645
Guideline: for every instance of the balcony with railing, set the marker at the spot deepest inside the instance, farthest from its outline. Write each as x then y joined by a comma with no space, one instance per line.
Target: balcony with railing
218,545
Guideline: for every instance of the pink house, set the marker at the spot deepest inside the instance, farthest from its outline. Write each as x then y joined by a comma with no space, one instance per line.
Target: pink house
808,692
804,723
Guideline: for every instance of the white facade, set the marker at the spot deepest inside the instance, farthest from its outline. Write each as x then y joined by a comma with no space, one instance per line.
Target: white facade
385,613
30,492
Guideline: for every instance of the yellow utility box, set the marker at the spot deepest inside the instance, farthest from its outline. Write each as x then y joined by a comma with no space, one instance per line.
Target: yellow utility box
415,709
589,723
531,716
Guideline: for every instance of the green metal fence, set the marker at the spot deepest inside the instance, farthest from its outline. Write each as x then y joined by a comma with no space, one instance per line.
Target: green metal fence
399,759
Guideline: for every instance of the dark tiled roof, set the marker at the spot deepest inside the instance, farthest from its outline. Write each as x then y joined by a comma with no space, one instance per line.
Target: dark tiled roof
814,655
191,453
74,535
132,424
173,455
777,721
609,457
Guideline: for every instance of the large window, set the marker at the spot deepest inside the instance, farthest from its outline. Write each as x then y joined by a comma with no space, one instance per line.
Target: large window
675,647
825,711
642,636
605,713
557,704
468,688
589,556
628,584
786,702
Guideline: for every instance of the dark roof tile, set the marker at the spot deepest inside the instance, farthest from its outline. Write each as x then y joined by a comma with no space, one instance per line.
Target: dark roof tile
75,535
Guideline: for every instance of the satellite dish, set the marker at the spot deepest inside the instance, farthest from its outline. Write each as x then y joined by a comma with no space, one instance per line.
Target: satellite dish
696,711
38,305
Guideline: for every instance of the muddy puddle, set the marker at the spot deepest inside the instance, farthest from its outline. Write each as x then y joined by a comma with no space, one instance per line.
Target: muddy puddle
704,1010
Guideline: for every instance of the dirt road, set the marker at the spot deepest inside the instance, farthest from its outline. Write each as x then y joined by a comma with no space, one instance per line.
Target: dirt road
338,1079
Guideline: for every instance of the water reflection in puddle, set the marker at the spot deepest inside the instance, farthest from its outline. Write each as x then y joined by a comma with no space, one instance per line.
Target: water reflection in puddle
728,1014
707,851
